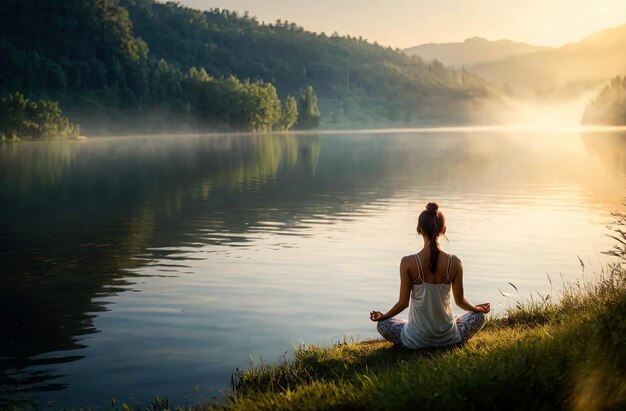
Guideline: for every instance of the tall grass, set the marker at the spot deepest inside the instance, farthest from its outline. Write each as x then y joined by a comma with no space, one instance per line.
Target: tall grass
543,354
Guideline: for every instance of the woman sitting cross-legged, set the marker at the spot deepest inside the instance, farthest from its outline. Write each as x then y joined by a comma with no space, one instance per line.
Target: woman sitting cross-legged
426,280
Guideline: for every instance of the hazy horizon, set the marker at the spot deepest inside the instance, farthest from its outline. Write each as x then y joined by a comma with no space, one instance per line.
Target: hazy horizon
406,23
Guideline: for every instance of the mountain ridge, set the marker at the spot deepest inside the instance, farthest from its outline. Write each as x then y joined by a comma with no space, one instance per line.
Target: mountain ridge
471,51
571,68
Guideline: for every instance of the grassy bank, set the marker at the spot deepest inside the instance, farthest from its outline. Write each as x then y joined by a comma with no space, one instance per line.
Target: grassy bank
570,354
544,354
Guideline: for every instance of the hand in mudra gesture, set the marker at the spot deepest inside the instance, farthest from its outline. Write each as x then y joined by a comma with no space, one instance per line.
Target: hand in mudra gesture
483,308
376,315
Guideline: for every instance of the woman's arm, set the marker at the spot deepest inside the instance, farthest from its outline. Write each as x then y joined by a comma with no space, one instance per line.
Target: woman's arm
459,293
403,298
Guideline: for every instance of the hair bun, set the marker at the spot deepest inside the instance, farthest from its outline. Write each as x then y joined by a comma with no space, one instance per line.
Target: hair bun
432,207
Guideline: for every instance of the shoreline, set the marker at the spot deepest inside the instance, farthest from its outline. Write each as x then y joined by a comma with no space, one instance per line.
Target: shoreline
544,354
528,128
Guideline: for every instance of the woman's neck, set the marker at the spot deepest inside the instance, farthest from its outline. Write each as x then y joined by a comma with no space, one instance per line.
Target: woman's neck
427,242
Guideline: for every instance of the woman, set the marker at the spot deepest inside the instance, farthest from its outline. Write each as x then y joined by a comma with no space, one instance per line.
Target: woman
426,279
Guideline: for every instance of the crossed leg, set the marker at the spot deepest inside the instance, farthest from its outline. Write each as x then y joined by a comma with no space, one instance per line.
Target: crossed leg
468,324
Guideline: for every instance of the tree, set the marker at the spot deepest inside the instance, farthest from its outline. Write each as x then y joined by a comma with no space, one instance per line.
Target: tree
609,106
262,106
195,75
289,115
309,112
21,118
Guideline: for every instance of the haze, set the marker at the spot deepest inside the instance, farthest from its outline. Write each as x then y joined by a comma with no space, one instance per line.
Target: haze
406,23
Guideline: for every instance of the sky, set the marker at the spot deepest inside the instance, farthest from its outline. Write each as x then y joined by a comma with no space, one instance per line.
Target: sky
406,23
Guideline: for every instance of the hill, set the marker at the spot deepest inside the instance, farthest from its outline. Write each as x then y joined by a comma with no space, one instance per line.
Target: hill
569,69
354,79
472,51
113,62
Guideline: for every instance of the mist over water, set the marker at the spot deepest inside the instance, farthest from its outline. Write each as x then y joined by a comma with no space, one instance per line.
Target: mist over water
554,114
135,267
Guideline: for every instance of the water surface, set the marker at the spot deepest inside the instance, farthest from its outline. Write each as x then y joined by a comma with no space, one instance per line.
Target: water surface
134,267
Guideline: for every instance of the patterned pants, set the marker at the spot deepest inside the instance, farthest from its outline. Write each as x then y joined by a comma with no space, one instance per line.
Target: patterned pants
468,325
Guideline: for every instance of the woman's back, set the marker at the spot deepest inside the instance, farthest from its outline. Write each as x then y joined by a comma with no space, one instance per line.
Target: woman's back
431,319
420,270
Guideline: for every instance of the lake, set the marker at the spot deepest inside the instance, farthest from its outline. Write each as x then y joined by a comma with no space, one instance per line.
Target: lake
143,266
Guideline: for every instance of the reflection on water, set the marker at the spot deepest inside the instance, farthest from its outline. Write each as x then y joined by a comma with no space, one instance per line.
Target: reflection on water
154,266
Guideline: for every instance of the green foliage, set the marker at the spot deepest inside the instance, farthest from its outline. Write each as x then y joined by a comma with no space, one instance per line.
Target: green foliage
111,62
289,114
21,118
261,105
609,107
103,71
71,46
381,82
246,105
309,112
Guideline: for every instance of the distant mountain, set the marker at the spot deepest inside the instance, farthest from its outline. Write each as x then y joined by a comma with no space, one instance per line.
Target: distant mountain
471,51
572,68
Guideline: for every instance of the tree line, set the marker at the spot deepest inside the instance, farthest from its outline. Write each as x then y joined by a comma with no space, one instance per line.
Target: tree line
84,55
609,106
115,61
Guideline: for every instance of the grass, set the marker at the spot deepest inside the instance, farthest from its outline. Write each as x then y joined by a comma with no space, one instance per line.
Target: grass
544,354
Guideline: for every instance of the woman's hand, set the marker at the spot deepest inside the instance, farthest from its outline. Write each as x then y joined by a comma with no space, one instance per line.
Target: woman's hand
483,308
376,316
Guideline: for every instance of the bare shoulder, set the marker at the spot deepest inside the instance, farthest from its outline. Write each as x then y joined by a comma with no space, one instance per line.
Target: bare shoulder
408,265
455,265
407,260
455,261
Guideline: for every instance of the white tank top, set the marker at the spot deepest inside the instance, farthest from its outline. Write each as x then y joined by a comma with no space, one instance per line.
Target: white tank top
431,320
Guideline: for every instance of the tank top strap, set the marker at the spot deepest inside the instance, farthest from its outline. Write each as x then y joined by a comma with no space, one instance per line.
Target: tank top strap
449,267
419,267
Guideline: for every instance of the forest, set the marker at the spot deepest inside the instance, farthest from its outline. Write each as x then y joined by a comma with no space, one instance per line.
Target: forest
146,66
609,106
